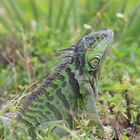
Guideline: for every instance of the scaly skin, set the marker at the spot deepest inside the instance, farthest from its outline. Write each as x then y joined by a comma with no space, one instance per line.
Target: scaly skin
70,90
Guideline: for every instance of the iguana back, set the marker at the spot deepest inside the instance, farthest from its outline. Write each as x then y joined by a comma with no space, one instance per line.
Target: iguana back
55,99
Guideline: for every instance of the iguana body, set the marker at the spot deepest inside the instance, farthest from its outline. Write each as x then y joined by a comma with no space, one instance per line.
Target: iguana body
71,88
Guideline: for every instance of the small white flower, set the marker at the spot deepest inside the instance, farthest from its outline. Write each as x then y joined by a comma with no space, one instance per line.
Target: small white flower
87,26
120,15
33,23
2,11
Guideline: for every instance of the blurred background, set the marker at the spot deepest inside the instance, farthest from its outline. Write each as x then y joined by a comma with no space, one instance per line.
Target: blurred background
32,32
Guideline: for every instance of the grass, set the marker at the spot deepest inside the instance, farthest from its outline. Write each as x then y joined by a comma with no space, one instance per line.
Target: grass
31,32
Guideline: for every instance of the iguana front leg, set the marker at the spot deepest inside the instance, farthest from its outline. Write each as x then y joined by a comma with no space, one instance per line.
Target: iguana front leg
91,104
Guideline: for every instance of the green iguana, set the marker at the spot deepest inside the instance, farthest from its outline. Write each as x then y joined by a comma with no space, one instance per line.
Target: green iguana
70,90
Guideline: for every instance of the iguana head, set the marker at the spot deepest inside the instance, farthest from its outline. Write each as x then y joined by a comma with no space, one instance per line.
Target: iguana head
88,53
97,45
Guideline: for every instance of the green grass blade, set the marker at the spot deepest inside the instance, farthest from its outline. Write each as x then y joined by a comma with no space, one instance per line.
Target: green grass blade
123,7
17,11
131,17
67,15
34,8
60,13
5,23
75,14
50,12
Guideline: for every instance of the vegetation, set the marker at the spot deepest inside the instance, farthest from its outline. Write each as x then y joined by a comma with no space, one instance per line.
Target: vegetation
31,32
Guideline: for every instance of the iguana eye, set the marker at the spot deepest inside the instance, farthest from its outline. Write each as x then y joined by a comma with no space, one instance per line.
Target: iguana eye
97,37
94,62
